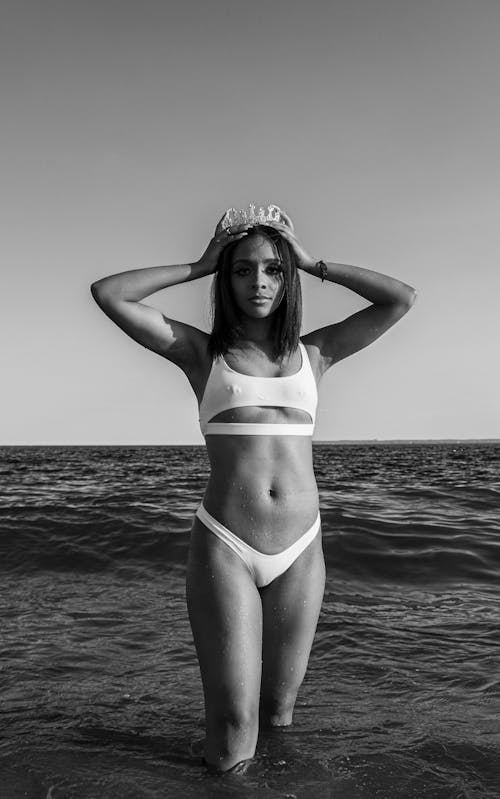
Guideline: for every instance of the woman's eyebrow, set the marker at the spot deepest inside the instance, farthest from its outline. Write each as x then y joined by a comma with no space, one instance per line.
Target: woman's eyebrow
249,261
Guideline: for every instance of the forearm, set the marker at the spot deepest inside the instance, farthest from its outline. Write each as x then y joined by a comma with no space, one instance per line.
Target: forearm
136,284
373,286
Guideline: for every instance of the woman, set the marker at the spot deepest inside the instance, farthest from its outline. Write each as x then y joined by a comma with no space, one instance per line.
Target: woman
256,573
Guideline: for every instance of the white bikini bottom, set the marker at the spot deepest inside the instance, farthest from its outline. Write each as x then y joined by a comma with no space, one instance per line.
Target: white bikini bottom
263,568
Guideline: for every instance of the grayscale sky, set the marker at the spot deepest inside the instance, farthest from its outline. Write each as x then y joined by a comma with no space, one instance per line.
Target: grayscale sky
129,126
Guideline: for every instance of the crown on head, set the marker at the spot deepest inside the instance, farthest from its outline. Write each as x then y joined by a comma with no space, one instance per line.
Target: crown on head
253,215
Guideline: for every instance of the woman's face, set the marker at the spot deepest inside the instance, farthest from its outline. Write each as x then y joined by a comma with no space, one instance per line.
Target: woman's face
257,276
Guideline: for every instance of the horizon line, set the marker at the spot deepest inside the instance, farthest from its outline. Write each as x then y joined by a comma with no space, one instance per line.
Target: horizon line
321,441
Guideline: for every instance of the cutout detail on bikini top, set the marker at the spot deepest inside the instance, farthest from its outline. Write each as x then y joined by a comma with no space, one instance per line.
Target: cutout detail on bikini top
226,389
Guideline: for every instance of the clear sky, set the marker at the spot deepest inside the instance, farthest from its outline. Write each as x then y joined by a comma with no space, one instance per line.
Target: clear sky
129,126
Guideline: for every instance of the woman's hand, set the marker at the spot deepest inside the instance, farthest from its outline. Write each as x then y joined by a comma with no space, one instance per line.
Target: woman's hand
222,237
304,260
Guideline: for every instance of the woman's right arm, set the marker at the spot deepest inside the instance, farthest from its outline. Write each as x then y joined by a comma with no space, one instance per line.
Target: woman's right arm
120,295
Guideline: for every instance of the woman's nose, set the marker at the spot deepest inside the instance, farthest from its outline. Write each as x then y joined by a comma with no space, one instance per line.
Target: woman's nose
259,277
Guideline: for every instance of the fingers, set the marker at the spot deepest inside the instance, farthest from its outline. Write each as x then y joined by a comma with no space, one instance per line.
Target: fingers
237,236
284,230
287,219
237,232
229,235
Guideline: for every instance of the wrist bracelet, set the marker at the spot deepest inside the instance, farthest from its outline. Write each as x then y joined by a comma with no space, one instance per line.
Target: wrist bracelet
323,269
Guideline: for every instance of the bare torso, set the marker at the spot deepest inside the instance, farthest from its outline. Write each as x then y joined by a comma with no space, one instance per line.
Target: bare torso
262,487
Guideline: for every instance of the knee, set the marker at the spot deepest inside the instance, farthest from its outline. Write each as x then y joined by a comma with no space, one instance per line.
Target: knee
277,710
234,721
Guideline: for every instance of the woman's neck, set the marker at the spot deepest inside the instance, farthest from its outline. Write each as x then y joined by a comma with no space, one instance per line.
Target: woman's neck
258,331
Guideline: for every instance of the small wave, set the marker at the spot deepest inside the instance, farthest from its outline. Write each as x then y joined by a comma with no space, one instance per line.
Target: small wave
93,542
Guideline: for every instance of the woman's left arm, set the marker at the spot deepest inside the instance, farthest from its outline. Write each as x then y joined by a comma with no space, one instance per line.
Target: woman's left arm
390,299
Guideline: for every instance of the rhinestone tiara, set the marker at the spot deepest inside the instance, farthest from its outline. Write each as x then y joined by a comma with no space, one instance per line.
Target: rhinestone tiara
253,215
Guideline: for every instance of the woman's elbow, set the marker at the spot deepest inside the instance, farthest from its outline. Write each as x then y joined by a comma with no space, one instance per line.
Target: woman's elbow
94,290
405,302
409,295
98,292
412,296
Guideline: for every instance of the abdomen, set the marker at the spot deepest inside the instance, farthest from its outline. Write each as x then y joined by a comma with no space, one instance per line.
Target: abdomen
262,488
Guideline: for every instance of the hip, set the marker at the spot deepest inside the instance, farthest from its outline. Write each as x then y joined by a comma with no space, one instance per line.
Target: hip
267,516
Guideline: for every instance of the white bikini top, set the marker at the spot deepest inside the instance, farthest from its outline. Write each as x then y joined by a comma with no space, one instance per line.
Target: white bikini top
226,389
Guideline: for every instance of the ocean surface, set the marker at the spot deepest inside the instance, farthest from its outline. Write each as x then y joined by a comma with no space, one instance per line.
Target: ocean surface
100,696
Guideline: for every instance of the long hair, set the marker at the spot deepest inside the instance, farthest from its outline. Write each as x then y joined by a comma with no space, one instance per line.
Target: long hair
287,318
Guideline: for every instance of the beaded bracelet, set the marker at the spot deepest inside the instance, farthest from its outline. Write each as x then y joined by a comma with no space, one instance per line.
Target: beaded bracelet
323,269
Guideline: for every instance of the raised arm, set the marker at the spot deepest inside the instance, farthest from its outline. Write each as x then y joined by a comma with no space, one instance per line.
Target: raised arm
120,295
390,299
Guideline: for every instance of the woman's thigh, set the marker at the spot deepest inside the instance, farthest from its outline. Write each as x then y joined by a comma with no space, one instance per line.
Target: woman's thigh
291,605
225,612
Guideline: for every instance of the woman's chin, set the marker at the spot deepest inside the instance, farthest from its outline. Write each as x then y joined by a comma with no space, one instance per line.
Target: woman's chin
258,310
258,313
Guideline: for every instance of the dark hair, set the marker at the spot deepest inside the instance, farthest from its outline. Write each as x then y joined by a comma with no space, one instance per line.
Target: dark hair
226,327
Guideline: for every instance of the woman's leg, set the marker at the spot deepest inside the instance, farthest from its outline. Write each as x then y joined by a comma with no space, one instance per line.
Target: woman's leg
291,605
226,619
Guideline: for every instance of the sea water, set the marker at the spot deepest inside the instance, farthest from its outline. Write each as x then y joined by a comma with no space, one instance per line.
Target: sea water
99,684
